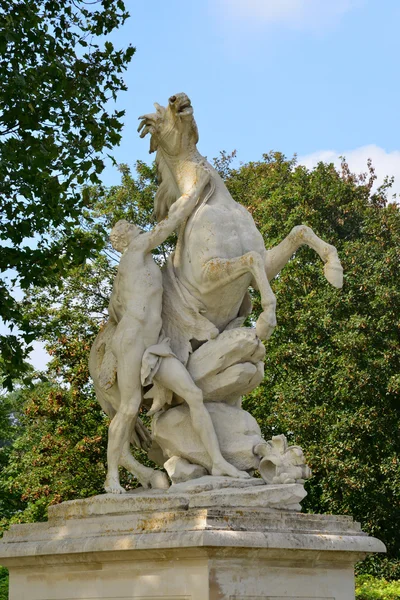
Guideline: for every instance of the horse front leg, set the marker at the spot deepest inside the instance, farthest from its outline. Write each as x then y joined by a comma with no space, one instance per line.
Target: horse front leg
218,272
276,258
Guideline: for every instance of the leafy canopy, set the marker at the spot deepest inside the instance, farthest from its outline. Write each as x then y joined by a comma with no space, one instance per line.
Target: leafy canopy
55,123
60,453
332,366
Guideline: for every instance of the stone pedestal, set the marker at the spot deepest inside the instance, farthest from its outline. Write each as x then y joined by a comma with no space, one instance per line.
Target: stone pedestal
194,542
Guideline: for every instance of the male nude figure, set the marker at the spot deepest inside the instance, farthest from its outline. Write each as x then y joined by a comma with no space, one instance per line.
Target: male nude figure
135,306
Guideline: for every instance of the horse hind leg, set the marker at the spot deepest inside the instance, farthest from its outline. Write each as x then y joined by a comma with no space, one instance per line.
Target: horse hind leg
276,258
333,269
221,271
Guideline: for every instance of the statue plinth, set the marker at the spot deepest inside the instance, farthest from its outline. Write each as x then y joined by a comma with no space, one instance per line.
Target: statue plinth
197,541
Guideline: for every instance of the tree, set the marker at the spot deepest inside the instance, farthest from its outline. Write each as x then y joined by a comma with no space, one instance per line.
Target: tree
331,382
332,366
10,430
55,123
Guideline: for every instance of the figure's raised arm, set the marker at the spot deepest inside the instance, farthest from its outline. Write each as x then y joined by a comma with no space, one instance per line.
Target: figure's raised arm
178,213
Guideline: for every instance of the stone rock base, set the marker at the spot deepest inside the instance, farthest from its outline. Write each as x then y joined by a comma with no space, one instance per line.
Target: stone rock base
237,431
192,543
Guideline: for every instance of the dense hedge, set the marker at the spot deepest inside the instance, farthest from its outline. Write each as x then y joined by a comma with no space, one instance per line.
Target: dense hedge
374,588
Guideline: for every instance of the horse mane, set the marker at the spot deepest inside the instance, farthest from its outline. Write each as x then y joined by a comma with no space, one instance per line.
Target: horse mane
167,192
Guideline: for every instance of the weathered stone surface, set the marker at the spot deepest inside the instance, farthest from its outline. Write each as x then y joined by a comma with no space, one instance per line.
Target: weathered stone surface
234,382
152,544
280,462
229,348
228,366
180,470
287,497
111,522
208,483
237,431
209,491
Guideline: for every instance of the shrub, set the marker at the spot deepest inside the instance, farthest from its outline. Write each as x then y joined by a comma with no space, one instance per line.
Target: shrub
374,588
3,584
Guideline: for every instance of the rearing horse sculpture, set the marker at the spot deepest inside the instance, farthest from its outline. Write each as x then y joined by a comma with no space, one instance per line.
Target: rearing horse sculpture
220,252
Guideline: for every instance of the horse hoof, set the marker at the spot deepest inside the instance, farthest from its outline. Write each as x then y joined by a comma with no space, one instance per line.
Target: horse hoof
265,327
333,272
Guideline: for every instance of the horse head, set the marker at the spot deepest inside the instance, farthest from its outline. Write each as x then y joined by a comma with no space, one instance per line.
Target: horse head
172,128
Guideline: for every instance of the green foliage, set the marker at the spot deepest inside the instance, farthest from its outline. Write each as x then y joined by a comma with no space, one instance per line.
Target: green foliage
10,429
373,588
3,583
331,380
55,122
61,452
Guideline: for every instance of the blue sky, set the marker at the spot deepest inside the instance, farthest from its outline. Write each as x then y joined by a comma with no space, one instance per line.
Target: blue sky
319,78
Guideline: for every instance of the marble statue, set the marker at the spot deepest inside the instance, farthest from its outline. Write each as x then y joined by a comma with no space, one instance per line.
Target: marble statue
174,338
135,315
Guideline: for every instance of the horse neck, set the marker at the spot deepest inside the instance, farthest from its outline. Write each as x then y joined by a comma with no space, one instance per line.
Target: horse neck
198,162
181,167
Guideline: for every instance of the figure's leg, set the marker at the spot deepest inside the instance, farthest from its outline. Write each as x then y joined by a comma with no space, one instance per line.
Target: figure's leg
173,375
129,349
276,258
219,271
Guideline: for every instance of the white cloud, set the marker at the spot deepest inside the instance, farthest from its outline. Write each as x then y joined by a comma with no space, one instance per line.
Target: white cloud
385,163
302,14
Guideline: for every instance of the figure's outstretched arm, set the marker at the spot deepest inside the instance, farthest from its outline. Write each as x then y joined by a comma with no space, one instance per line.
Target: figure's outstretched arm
178,213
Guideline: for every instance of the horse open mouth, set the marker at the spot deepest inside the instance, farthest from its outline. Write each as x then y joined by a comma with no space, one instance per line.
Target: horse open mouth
185,109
